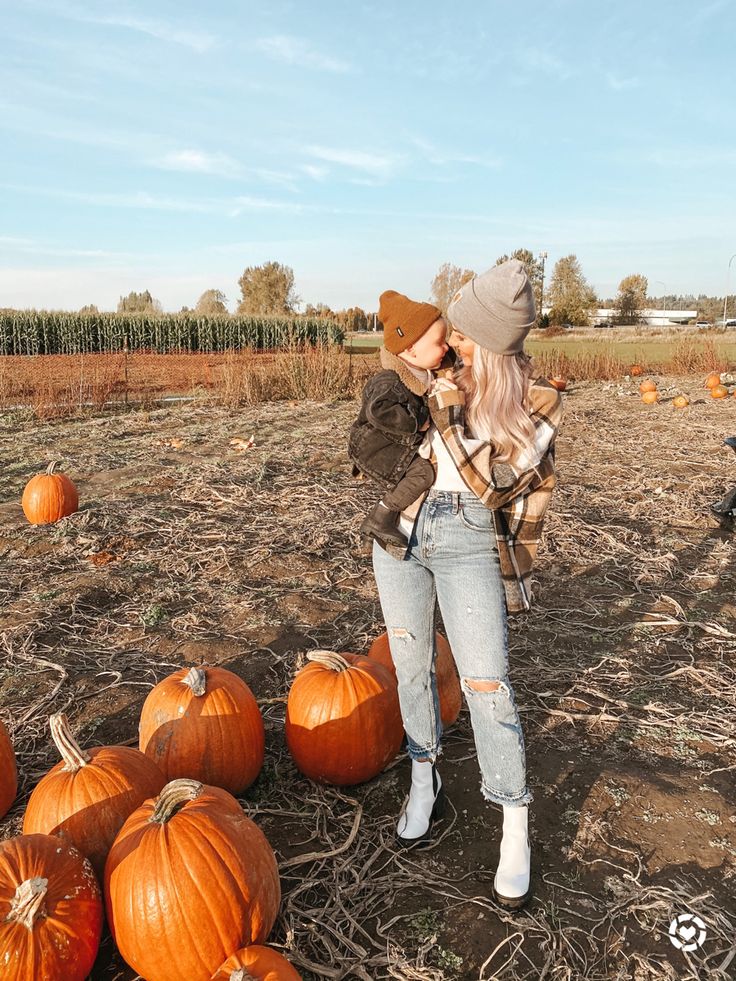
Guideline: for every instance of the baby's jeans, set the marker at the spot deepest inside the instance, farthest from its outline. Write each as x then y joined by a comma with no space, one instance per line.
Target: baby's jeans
453,560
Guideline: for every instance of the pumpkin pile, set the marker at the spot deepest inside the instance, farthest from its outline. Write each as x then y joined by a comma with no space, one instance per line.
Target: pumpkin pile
649,393
154,836
177,859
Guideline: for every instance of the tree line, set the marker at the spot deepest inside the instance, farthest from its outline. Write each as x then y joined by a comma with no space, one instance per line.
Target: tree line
571,299
268,290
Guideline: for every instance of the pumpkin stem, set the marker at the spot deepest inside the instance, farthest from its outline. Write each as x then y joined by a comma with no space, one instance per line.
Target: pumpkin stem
196,679
173,797
28,903
329,659
240,974
50,467
69,749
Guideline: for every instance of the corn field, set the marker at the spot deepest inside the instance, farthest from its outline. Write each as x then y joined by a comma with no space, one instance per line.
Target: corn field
42,332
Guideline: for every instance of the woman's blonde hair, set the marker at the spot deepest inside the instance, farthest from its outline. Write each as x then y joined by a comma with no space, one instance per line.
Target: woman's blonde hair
496,390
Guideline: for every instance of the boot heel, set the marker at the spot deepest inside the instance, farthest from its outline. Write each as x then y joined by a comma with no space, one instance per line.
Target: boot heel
438,811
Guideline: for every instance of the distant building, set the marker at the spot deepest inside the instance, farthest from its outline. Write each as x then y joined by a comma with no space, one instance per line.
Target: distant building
654,318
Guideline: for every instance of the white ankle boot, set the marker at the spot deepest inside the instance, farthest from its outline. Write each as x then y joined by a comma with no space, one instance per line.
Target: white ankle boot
511,885
426,805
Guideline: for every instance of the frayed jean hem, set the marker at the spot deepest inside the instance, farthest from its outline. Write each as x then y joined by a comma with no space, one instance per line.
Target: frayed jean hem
509,800
423,754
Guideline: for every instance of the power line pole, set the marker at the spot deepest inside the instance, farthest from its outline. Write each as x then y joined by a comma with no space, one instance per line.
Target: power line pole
543,257
725,298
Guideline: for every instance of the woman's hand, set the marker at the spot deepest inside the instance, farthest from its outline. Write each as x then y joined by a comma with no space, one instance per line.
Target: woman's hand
442,385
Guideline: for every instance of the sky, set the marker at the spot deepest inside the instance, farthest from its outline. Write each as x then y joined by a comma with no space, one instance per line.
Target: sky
167,146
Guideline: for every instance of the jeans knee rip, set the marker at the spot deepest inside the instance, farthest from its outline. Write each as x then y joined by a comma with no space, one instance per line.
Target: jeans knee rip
401,633
469,686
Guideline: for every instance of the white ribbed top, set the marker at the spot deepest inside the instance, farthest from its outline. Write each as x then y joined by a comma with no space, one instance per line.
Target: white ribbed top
448,477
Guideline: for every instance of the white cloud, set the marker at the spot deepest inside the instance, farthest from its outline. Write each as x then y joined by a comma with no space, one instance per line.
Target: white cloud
133,199
619,84
246,203
441,156
373,163
26,246
314,171
199,162
299,51
199,41
538,60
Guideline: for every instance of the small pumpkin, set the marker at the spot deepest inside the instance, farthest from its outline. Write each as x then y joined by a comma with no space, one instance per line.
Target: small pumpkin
49,496
713,380
718,392
256,963
8,772
189,879
680,401
50,911
648,386
88,795
448,683
650,398
204,723
559,383
636,370
343,722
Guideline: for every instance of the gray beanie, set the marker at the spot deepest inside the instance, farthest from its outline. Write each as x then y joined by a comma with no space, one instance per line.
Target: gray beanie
495,309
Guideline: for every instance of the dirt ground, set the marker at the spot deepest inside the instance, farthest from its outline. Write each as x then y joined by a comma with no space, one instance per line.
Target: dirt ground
185,551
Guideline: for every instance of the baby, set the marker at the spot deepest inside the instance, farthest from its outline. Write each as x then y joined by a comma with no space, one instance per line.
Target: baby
385,438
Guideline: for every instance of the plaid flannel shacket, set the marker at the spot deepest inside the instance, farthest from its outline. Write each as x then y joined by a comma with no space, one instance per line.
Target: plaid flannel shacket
518,495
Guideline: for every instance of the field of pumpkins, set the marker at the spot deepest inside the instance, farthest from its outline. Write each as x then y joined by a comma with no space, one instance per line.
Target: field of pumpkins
192,666
717,385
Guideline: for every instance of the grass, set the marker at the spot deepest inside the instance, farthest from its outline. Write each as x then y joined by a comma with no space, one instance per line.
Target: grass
64,386
628,346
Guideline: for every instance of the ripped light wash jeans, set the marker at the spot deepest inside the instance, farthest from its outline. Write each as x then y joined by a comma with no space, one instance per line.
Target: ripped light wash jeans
453,560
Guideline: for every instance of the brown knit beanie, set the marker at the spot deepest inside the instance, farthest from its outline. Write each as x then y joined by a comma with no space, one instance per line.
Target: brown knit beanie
404,320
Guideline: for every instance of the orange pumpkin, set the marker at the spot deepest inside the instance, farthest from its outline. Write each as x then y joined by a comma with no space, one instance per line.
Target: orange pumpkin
559,383
49,496
636,370
343,723
680,401
50,911
8,772
448,683
713,380
87,797
258,964
718,392
650,398
648,386
189,879
205,724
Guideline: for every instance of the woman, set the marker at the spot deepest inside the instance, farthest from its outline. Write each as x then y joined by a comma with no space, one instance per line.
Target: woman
472,542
